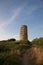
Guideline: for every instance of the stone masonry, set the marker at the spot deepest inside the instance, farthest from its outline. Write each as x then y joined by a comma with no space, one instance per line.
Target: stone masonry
23,32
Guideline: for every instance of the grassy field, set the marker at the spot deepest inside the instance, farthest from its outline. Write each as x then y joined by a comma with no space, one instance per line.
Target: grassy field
14,52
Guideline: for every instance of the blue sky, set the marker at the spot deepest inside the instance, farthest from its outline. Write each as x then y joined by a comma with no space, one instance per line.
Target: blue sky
14,13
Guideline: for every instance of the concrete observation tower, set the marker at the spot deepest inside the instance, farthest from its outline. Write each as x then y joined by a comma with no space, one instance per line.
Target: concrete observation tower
23,32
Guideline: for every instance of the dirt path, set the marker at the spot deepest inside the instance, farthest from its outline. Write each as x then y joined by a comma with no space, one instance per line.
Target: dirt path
26,57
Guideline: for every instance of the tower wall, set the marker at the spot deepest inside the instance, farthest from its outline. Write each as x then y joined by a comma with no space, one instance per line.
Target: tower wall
23,32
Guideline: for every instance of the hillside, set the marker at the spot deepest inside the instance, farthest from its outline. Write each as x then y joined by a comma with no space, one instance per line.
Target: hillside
14,52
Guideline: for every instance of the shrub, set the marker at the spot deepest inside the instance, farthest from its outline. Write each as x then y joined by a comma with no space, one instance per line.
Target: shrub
12,39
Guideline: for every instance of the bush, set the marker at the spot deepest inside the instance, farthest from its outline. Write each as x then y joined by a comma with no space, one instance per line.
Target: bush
38,42
12,39
11,60
4,48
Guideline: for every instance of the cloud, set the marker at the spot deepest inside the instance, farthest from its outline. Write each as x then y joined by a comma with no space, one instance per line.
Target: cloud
16,36
15,14
3,24
3,33
11,18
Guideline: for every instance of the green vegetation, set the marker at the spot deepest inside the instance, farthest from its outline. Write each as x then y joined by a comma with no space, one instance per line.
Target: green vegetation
38,42
4,48
11,51
12,39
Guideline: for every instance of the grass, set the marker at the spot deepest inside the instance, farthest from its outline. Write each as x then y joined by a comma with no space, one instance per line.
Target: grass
11,52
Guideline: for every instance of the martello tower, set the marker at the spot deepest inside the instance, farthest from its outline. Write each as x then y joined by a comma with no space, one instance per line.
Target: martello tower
23,32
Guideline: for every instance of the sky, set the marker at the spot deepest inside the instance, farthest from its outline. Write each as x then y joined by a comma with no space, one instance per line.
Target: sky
14,13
